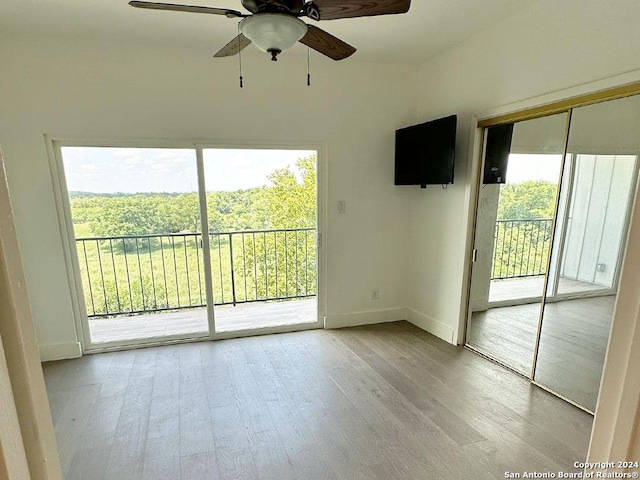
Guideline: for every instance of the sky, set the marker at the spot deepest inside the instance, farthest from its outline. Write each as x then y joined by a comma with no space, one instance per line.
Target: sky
138,170
528,167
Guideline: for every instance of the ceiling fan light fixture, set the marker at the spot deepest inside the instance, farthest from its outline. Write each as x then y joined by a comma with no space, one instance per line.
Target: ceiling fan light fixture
273,32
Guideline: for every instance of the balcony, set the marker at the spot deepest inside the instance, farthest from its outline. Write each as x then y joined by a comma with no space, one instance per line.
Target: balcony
154,285
520,260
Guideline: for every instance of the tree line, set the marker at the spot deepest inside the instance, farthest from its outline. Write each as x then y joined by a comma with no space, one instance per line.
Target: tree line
522,247
289,202
527,200
147,274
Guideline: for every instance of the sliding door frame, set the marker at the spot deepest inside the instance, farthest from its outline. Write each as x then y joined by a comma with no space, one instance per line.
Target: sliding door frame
566,106
554,296
321,189
54,146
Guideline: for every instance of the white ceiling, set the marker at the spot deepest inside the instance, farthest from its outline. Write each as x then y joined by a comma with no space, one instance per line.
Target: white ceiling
430,27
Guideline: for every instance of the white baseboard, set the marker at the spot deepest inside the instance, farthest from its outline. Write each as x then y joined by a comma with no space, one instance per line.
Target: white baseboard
365,318
430,325
60,351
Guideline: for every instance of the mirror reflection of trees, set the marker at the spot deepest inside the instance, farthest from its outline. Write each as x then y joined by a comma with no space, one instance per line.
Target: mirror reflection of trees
523,229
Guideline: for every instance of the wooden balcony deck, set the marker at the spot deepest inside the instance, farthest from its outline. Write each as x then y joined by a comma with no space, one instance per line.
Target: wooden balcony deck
530,287
228,318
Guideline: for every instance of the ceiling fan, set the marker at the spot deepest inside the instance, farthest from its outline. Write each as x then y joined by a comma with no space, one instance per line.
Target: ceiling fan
275,25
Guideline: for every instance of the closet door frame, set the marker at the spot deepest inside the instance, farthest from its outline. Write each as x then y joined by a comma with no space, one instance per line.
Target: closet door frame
478,147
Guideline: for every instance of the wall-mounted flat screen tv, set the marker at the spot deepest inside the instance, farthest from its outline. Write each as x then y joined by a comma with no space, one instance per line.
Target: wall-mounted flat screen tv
425,153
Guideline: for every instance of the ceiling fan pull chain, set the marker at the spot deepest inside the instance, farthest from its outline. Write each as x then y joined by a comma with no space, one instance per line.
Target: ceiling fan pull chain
308,67
240,56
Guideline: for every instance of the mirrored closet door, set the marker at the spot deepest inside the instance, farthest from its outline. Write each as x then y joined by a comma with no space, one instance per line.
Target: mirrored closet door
515,214
598,189
552,216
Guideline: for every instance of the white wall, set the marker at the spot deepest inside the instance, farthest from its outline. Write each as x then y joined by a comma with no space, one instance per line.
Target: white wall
25,397
415,255
89,89
549,47
597,217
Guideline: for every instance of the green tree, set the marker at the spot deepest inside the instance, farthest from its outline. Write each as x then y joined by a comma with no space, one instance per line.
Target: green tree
522,245
239,210
134,215
527,200
182,213
292,198
289,202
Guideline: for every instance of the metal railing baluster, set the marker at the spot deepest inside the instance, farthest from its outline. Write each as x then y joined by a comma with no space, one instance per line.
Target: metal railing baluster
244,268
266,266
197,248
220,267
275,258
516,253
529,255
504,236
144,305
233,278
512,257
255,267
126,263
104,289
186,267
272,263
286,265
306,261
153,277
86,260
115,275
175,269
164,272
496,235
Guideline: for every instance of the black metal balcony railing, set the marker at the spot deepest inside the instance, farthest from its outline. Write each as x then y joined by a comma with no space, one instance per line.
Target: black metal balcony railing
151,273
521,248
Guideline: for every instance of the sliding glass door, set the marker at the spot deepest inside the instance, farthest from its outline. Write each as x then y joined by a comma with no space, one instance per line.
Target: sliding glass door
592,217
172,244
262,224
136,226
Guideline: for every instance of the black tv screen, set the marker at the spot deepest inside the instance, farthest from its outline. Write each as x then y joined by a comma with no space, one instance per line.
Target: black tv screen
425,153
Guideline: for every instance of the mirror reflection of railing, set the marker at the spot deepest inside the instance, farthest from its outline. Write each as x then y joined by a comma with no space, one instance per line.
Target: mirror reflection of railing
521,248
152,273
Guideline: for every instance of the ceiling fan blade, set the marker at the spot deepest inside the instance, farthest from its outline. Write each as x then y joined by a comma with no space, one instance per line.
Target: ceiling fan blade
233,47
327,44
186,8
332,9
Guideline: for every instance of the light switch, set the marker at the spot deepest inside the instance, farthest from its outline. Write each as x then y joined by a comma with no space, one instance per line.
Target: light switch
342,206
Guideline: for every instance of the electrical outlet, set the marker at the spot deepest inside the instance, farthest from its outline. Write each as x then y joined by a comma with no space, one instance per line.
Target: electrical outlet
342,206
375,294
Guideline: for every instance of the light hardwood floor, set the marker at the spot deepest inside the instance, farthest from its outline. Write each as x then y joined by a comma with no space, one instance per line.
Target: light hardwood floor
531,287
379,402
573,342
228,318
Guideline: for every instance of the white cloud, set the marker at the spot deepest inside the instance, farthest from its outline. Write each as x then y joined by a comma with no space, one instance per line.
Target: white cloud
134,170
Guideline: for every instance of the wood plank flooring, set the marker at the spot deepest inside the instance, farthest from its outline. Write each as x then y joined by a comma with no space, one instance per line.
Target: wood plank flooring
229,318
573,342
381,402
531,287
